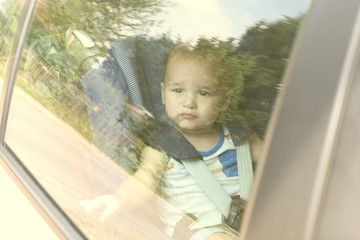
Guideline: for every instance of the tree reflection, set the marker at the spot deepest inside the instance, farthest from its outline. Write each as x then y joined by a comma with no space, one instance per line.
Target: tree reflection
69,38
269,43
9,17
104,21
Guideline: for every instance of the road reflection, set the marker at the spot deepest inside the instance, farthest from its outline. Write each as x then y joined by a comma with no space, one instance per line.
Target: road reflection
71,169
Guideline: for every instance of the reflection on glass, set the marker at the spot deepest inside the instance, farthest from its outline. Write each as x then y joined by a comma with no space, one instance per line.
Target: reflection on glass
9,17
88,96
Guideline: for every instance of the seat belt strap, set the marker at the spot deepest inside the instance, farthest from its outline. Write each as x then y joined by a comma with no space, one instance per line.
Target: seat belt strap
245,169
209,184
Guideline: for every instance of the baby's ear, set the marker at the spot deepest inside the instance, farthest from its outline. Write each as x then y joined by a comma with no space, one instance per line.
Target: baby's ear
162,92
227,99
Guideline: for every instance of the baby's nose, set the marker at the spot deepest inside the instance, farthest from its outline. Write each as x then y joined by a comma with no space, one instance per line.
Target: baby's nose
190,101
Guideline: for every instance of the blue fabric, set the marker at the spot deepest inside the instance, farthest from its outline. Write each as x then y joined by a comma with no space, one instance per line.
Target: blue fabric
105,92
229,163
133,68
218,145
227,159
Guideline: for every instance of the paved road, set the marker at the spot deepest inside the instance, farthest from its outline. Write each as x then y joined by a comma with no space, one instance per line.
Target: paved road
72,169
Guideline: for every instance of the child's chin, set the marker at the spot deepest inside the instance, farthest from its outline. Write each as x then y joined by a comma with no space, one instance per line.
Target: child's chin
186,127
189,128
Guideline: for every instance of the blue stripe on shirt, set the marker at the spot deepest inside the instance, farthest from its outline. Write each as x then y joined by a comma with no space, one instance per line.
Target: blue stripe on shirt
229,162
217,147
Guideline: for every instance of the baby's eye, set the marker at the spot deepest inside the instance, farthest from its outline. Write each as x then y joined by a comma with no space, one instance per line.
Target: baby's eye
178,90
204,93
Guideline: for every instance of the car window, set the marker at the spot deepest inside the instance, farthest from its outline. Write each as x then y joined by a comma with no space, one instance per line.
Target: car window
89,79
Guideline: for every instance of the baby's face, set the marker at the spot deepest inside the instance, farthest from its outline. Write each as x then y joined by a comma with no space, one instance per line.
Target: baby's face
191,95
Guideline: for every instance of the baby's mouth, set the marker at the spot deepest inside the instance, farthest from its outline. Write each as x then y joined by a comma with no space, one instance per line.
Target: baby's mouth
187,115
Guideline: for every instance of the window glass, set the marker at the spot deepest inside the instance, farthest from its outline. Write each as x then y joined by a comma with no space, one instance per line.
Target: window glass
9,17
88,99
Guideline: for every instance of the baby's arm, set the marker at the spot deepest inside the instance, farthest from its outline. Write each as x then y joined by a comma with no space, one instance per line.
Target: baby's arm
152,166
256,145
135,190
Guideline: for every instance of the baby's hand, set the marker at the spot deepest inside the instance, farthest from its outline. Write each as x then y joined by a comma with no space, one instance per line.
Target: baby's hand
109,204
135,191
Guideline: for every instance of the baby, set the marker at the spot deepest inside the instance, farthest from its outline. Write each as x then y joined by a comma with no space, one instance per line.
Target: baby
196,91
195,94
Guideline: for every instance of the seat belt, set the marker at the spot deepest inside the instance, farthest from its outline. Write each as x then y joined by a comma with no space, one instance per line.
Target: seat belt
245,169
210,185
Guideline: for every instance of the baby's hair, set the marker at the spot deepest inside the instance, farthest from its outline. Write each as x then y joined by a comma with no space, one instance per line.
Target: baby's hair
210,52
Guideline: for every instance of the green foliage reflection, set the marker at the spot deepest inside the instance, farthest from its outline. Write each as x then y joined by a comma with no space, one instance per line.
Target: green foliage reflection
9,17
69,38
269,43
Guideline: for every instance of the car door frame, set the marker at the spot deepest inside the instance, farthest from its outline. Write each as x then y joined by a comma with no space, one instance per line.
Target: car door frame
301,152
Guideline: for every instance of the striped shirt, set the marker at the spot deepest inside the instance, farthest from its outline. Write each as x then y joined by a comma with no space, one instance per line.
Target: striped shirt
183,192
